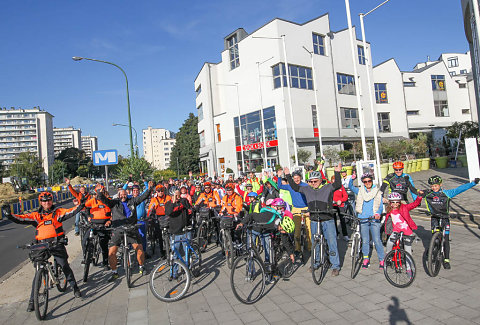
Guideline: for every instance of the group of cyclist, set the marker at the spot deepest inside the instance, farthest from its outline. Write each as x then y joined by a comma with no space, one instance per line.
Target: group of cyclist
274,203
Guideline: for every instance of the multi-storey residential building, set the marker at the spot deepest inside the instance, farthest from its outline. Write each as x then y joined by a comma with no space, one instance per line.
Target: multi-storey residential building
244,105
157,146
89,144
26,130
64,138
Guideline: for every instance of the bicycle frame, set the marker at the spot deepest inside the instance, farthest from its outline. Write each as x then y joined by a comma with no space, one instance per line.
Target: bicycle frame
398,245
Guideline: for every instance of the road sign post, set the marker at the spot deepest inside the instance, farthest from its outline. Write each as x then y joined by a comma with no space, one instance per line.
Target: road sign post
105,158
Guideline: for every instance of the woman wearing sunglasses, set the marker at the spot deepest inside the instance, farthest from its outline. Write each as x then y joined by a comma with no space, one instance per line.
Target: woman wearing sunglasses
369,207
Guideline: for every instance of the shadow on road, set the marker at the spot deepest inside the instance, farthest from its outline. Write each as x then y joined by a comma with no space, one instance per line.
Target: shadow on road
397,314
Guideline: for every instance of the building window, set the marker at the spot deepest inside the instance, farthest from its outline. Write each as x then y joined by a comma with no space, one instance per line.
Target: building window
318,44
219,135
463,71
462,85
384,122
441,108
198,90
349,118
345,84
202,139
453,62
200,112
167,153
465,111
438,82
453,73
165,149
361,54
381,93
233,52
300,77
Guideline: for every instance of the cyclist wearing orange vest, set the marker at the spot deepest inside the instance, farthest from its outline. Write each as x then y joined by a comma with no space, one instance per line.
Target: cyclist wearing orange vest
232,203
158,202
48,220
208,197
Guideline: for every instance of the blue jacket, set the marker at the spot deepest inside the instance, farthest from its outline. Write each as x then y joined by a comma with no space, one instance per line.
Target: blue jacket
298,199
367,210
141,208
455,191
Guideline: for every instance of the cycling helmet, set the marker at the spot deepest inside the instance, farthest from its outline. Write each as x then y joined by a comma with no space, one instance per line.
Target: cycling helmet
279,202
297,173
435,180
248,185
159,187
344,170
394,196
92,192
315,175
252,194
130,184
207,184
45,196
230,186
367,175
398,165
136,187
288,225
269,202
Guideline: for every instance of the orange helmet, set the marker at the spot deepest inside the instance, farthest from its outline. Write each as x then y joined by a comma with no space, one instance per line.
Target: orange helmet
45,196
230,186
159,187
398,165
207,184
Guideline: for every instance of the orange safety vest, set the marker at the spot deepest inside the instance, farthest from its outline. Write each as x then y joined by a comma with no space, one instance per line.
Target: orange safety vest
210,199
48,227
233,204
98,209
158,203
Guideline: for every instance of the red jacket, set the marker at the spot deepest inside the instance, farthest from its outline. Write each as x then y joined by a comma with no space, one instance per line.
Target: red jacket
340,195
405,213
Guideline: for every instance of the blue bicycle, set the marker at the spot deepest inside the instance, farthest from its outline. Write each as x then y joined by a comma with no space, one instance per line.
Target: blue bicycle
171,278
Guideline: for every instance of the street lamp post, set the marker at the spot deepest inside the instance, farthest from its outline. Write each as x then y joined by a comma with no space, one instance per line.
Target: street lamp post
136,136
370,90
78,58
261,114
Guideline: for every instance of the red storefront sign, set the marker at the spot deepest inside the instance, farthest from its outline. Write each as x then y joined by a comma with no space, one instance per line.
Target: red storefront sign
259,145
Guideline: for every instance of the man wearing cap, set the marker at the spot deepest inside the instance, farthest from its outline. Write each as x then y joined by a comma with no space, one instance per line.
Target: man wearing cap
156,209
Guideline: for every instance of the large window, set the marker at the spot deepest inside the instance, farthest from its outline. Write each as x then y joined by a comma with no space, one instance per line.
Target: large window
361,54
452,62
200,112
318,44
202,139
300,77
438,82
345,84
384,122
381,93
198,90
233,52
441,108
350,118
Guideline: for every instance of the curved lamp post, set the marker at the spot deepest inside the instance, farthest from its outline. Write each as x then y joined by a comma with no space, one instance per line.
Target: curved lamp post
136,135
78,58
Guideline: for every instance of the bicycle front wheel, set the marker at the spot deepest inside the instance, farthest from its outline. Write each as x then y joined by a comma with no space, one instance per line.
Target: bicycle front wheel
228,247
96,254
435,256
40,293
127,265
195,259
356,256
319,261
399,268
88,260
169,281
247,279
202,238
61,278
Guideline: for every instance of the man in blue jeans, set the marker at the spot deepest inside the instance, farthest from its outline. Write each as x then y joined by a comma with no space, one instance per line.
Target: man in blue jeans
319,197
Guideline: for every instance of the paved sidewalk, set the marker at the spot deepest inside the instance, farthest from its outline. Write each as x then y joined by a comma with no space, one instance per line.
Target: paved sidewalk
453,297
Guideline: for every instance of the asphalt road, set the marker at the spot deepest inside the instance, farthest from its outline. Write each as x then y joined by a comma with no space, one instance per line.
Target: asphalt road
13,235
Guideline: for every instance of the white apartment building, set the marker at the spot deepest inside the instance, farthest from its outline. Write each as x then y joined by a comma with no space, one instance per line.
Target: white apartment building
26,130
89,144
250,82
157,146
64,138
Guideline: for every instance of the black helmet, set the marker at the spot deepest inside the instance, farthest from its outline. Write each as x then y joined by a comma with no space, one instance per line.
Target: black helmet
435,180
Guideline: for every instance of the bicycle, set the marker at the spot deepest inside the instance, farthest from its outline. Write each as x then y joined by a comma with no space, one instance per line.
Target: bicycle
303,233
92,248
153,233
435,253
399,264
207,227
226,242
171,278
320,262
127,252
46,275
356,250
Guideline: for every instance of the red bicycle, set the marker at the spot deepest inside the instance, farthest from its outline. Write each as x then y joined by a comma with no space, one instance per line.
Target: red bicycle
399,267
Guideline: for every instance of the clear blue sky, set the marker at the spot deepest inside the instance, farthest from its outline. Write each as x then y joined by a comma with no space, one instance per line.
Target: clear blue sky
163,44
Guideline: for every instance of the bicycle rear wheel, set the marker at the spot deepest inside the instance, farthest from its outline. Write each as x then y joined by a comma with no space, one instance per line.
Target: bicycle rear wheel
195,259
88,259
356,256
40,293
202,238
127,265
320,262
228,247
435,256
61,278
96,251
399,268
170,282
247,279
303,238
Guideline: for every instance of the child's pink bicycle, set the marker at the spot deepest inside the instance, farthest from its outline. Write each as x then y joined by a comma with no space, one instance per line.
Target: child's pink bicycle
399,267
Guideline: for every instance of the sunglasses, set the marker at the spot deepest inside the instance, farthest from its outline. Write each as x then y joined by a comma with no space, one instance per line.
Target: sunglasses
366,182
314,181
398,169
394,202
46,200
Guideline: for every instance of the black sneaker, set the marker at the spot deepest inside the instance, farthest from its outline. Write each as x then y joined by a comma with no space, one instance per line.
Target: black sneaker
77,234
142,270
446,265
30,307
113,277
82,262
76,292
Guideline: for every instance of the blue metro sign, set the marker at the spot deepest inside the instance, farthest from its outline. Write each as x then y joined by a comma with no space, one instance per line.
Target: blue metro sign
105,157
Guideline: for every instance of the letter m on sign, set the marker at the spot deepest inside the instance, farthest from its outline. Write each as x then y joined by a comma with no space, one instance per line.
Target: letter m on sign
105,157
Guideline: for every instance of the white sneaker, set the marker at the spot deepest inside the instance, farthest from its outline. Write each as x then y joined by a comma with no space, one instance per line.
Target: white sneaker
346,238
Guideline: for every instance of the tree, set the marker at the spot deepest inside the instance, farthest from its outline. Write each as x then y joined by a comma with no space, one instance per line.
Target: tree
303,156
133,166
72,157
187,147
56,172
163,174
469,130
82,171
29,167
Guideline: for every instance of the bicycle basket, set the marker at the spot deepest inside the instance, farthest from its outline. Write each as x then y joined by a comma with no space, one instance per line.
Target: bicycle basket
204,213
226,223
39,253
164,222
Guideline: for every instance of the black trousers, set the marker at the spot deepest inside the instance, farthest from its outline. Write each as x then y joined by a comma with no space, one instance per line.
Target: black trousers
342,220
59,252
104,238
